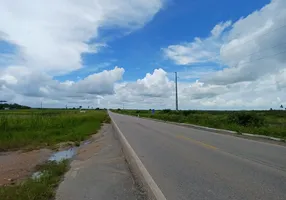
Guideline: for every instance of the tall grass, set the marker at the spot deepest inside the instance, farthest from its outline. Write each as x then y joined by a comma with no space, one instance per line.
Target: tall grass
35,128
270,123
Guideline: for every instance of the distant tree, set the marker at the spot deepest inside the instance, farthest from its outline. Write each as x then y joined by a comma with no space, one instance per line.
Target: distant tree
271,109
73,108
281,107
3,101
97,108
13,106
80,107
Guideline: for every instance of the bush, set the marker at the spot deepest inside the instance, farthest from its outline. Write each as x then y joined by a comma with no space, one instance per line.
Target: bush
166,111
246,119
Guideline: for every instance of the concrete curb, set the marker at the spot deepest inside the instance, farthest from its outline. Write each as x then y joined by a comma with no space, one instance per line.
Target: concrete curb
223,131
153,191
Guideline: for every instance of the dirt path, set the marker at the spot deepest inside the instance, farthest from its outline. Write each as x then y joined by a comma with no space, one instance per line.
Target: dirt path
17,165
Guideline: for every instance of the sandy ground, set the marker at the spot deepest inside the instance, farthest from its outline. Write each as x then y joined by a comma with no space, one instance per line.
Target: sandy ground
15,166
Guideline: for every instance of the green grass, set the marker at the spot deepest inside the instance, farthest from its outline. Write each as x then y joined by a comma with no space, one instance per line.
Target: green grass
42,188
41,128
270,123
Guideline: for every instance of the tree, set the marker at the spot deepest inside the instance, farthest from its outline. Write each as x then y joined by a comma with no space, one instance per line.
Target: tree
13,106
281,107
3,101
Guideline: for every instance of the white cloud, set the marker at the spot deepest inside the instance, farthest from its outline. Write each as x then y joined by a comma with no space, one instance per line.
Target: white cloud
200,50
199,90
49,38
153,85
52,35
252,54
37,84
251,47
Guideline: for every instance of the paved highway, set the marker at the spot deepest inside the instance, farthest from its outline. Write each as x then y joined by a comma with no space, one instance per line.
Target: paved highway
191,164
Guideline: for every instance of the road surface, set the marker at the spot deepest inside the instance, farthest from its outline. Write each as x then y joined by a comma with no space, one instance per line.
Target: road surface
191,164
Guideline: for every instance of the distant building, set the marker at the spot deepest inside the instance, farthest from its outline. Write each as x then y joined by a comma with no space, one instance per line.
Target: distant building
6,108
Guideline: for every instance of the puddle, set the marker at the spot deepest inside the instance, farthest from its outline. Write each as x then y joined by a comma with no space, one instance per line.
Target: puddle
62,155
37,175
59,156
87,142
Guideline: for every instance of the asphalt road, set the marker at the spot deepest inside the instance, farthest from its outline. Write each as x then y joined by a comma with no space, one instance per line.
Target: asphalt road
191,164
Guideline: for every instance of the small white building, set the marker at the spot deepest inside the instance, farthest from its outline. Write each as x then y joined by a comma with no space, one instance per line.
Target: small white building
6,108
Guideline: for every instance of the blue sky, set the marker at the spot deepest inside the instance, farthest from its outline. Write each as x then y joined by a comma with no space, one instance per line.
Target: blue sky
182,20
106,53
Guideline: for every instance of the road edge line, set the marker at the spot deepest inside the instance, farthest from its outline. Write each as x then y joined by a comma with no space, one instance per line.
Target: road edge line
138,167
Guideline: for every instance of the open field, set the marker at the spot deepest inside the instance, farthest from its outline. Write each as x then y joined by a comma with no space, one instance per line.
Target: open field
37,129
41,128
270,123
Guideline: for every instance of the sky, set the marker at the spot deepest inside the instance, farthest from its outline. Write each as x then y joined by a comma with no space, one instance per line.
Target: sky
229,55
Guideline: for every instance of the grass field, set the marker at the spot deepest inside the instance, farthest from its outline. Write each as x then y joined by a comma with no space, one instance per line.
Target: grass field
40,128
270,123
42,188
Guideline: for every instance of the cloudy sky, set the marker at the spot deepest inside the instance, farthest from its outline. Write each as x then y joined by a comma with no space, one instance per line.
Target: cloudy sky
115,53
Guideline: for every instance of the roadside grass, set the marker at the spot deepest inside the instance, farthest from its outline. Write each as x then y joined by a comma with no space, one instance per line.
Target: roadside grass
41,188
30,129
269,123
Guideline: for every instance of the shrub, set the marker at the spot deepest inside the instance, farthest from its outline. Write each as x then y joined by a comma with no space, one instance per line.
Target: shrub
166,111
246,119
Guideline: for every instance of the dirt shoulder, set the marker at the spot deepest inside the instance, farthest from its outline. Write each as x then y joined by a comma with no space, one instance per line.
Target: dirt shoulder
15,166
99,171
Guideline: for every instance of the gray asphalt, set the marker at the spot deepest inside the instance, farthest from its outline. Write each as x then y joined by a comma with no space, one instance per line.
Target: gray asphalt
193,164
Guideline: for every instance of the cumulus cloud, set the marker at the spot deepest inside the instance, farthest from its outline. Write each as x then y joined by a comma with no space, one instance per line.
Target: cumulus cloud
250,48
48,39
249,61
153,85
199,90
260,94
38,84
200,50
52,35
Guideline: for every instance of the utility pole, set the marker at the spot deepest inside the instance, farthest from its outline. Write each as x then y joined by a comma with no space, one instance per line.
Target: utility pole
176,81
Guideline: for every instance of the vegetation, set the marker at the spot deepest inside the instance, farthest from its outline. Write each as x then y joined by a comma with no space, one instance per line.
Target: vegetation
12,106
38,128
270,123
41,188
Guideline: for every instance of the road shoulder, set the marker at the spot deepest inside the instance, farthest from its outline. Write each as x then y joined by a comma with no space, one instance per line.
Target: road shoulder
99,171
